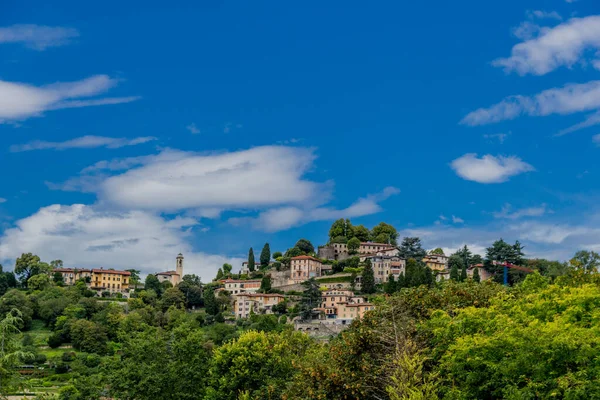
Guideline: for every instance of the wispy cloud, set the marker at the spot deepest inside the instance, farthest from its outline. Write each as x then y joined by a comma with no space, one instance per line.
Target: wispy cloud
488,168
596,139
571,98
590,120
563,45
37,37
457,220
83,142
500,137
193,128
508,213
541,14
2,200
19,101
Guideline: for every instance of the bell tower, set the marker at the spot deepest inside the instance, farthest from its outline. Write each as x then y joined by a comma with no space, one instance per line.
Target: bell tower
179,265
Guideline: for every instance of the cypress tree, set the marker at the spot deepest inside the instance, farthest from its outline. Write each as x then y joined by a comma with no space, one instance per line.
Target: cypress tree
265,255
219,274
454,275
463,273
476,276
210,302
401,282
368,278
429,279
251,263
390,285
265,284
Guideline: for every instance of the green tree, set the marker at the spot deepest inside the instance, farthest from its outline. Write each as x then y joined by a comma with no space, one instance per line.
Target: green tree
193,279
58,279
390,285
39,282
88,336
476,277
258,365
15,299
251,263
152,283
438,251
501,252
411,248
172,297
219,275
362,233
265,255
311,298
368,278
265,284
384,233
586,261
463,273
305,246
210,302
29,265
465,255
227,269
277,255
11,353
134,278
353,245
454,274
342,228
56,264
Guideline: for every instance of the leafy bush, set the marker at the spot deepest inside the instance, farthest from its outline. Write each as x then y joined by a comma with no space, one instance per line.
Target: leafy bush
55,340
68,356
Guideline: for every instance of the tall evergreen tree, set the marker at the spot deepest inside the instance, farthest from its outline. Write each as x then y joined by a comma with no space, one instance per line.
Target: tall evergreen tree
454,274
463,273
390,285
265,255
219,274
368,278
265,284
411,248
251,263
311,298
476,277
429,278
401,282
153,283
210,302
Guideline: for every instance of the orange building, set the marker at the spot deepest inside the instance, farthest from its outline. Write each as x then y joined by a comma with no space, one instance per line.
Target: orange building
304,267
235,286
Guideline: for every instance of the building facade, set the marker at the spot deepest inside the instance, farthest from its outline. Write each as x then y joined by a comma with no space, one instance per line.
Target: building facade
110,280
173,276
258,303
235,286
303,268
72,275
384,266
437,262
339,251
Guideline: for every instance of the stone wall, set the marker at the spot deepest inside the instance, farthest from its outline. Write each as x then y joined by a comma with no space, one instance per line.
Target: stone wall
319,330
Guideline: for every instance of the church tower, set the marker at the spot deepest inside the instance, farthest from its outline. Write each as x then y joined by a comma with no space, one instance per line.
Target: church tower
179,265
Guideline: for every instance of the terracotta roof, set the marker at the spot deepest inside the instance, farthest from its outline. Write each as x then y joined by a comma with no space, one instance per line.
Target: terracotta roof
305,258
110,271
240,281
376,244
168,273
71,270
259,295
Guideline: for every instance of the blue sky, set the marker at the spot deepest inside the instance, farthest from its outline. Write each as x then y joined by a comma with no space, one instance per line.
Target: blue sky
131,131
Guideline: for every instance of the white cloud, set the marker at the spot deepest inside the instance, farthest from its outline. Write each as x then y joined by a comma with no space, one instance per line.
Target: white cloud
83,142
19,101
457,220
508,213
443,217
540,14
527,30
500,137
571,98
489,169
596,139
85,236
2,200
193,128
277,219
590,120
176,180
37,37
563,45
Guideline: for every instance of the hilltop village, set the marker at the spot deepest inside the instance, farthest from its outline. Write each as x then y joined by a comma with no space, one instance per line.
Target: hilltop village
321,290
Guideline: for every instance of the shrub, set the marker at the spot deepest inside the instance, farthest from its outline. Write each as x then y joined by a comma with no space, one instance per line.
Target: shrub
40,358
61,368
68,356
55,340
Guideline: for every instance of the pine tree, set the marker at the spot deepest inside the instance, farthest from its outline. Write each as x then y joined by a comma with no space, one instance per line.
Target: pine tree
390,285
463,273
265,256
265,284
401,282
219,274
476,277
429,279
454,275
251,263
368,278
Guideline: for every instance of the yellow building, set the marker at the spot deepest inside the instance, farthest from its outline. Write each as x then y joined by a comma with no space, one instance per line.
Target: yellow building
258,303
235,286
437,262
353,310
110,280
